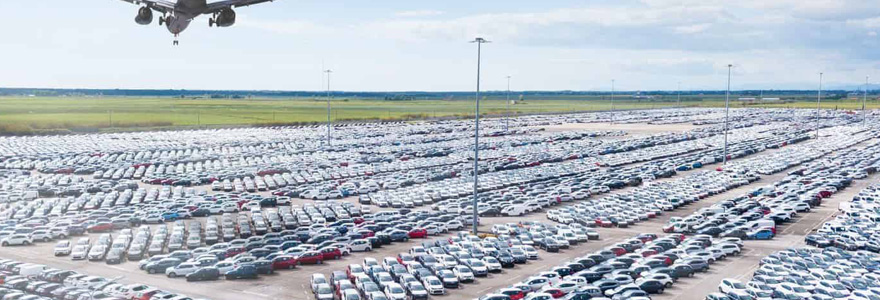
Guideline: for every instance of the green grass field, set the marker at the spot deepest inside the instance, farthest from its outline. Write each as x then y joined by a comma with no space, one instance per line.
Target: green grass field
34,115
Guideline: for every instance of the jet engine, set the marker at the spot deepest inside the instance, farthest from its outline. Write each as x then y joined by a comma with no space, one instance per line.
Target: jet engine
144,16
225,18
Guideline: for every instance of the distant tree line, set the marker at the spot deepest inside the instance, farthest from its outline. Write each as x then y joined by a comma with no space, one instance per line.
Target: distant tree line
390,96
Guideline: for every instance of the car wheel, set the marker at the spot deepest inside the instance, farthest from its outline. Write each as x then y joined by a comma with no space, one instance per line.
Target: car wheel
45,240
299,263
320,262
668,284
690,274
291,266
151,271
369,249
5,244
27,243
660,291
172,275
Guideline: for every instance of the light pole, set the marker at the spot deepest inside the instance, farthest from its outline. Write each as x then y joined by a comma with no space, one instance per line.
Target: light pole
507,120
726,114
818,102
612,101
328,106
480,41
864,104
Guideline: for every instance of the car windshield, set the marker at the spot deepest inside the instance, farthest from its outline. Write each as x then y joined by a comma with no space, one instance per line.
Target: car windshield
396,290
324,290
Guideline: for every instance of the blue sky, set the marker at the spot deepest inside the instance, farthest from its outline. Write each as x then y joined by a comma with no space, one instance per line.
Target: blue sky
422,45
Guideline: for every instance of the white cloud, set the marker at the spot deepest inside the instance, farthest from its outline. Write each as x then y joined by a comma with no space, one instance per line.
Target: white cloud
418,13
691,29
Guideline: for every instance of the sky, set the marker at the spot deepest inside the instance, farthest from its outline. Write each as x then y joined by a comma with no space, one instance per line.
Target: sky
388,45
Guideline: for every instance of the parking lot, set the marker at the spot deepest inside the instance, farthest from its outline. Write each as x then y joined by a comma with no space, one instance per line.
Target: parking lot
551,157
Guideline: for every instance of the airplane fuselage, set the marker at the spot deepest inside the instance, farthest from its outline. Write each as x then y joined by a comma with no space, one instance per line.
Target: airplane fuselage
184,12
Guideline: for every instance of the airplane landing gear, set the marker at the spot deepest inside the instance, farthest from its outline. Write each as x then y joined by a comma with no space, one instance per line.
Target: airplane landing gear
211,21
161,21
175,40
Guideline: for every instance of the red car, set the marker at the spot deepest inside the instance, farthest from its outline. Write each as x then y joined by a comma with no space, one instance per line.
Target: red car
514,294
418,233
330,253
556,293
233,251
283,262
101,227
646,237
666,259
678,236
646,253
310,257
617,250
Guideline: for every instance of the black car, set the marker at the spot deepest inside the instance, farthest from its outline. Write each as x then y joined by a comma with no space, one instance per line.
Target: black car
505,259
244,271
589,275
652,286
548,244
817,241
491,212
264,267
206,273
680,271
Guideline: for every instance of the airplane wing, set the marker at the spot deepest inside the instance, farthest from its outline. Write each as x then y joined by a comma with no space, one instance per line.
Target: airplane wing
219,5
158,5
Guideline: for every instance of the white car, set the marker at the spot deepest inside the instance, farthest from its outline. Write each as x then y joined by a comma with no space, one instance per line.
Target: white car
566,286
530,251
395,292
730,284
318,279
463,273
62,248
360,246
553,277
79,252
226,266
16,239
41,235
492,264
666,280
433,285
536,283
181,270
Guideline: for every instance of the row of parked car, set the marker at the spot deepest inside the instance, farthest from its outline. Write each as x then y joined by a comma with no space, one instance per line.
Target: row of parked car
632,269
855,228
756,214
287,249
26,281
428,269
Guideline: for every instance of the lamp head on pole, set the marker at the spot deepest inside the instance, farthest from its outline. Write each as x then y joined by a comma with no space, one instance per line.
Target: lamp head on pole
480,40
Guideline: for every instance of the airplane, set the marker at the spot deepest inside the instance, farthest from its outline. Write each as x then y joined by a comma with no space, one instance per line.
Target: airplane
177,14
